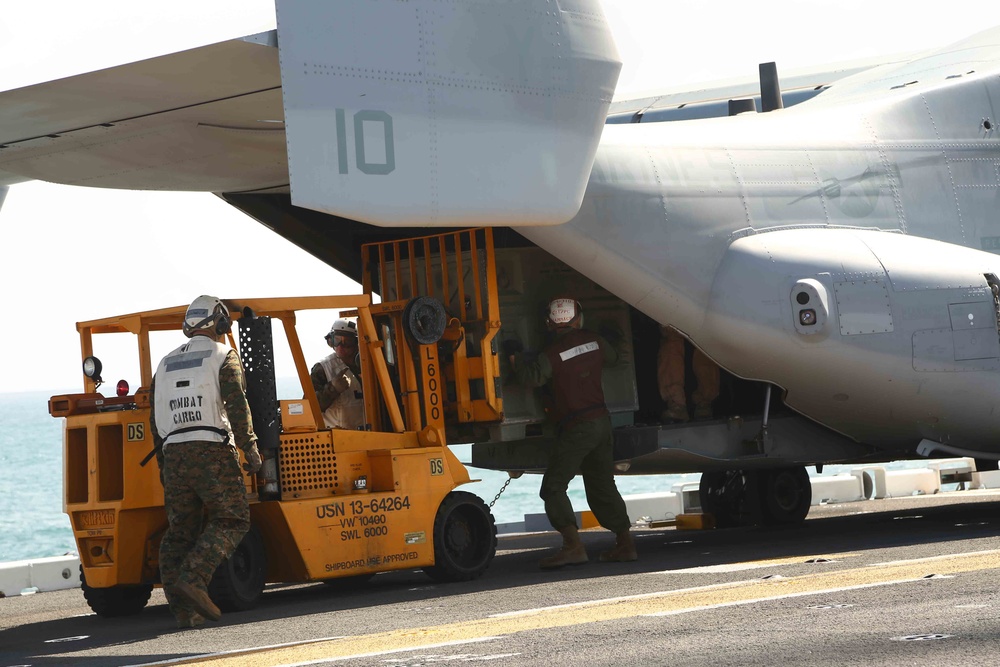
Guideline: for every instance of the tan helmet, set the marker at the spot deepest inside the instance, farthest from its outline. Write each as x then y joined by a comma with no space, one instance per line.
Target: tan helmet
207,314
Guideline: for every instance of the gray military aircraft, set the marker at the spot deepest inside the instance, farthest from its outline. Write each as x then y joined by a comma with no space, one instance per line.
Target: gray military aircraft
833,252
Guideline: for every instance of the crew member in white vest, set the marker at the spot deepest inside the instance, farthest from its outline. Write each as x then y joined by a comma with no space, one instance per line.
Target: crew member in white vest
336,379
199,415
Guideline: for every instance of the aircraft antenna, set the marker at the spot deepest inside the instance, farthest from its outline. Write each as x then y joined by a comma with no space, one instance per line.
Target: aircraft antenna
770,89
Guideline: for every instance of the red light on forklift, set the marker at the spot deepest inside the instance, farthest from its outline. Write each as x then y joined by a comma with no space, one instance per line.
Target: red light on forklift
122,388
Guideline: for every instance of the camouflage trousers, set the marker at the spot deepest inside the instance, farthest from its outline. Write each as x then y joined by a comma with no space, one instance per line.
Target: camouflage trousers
584,448
207,511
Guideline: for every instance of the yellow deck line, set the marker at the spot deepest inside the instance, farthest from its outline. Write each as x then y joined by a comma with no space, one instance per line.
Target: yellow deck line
661,603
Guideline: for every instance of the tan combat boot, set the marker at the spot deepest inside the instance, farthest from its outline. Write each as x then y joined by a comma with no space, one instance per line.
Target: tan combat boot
572,551
196,598
703,412
189,619
676,414
623,551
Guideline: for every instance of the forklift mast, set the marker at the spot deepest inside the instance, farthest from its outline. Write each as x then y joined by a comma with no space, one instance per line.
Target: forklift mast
435,308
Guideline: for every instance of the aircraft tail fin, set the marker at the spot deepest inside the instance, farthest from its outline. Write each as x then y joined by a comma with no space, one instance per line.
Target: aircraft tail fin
433,113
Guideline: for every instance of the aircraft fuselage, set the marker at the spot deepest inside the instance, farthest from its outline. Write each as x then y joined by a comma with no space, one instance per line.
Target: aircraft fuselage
877,215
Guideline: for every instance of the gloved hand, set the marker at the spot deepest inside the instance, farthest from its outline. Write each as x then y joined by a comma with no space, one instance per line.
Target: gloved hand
341,383
253,460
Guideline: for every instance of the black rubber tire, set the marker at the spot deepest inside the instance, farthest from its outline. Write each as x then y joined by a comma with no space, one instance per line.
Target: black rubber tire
723,494
786,495
239,580
425,319
465,538
116,600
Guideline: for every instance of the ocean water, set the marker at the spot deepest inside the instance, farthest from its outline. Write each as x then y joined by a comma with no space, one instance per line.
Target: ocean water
33,525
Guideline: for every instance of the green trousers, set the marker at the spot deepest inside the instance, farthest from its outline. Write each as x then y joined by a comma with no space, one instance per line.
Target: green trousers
584,448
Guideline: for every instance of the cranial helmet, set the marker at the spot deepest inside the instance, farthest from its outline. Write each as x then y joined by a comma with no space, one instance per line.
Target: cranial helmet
342,327
565,312
207,314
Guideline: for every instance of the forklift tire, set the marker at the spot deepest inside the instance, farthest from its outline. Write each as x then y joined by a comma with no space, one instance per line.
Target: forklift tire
239,580
465,538
117,600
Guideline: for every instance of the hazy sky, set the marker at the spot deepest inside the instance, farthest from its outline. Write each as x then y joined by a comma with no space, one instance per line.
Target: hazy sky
70,254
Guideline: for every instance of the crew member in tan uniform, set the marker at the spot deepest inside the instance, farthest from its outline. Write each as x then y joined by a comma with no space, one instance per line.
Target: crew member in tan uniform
670,377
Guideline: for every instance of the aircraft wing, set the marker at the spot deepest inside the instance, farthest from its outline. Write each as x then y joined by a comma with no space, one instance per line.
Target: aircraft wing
711,100
207,119
971,57
841,83
479,134
212,119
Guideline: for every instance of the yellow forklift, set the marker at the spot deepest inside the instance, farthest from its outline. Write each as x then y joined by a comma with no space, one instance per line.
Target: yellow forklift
328,504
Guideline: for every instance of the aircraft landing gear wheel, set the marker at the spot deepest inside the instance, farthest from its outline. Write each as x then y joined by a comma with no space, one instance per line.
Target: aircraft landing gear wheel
239,580
465,538
786,494
116,600
728,495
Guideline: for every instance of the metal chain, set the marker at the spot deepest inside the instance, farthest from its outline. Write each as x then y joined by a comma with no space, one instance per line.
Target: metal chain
500,492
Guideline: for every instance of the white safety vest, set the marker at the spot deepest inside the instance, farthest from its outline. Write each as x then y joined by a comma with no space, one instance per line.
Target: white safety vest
188,403
348,409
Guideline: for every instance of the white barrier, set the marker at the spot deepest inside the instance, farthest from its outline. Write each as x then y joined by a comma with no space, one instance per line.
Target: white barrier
872,480
663,506
690,496
920,481
954,471
42,574
987,479
15,577
840,488
539,523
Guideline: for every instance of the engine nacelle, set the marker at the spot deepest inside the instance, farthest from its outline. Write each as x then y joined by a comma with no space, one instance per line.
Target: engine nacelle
887,338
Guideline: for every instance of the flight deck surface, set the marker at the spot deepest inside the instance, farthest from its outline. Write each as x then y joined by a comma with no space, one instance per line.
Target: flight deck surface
888,582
